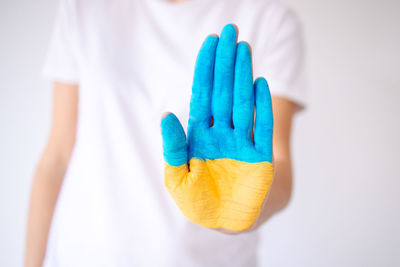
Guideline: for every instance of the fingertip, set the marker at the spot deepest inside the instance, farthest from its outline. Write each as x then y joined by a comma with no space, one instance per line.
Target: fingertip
167,119
230,32
245,45
171,127
212,37
236,27
260,82
210,41
168,116
244,48
165,114
174,140
229,26
232,27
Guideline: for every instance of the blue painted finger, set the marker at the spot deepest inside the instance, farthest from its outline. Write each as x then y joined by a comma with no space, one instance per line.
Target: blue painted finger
243,92
222,96
174,140
264,119
200,103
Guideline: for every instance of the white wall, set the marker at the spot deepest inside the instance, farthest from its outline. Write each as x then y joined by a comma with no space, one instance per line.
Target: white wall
345,207
25,105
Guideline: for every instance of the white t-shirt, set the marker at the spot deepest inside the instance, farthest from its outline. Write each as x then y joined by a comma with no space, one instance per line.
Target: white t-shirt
134,60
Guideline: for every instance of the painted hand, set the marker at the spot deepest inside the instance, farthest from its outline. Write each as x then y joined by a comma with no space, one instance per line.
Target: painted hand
221,175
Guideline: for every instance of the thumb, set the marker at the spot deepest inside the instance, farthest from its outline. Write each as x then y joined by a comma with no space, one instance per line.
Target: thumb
174,140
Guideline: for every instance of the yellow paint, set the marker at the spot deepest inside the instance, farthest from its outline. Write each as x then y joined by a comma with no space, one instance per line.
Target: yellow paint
221,193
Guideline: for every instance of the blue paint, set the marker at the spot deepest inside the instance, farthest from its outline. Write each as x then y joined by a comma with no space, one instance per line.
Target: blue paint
174,141
223,89
222,93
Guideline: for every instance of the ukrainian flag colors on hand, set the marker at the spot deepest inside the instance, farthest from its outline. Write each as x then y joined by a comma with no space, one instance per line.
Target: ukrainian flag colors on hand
221,174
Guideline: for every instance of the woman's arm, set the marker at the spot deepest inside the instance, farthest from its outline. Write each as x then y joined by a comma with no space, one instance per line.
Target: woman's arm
50,171
281,188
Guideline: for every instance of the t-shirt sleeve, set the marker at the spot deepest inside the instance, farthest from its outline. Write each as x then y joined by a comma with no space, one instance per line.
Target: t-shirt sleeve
280,56
61,61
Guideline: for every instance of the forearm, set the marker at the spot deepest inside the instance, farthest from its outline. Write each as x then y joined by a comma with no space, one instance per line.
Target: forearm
50,171
280,193
45,190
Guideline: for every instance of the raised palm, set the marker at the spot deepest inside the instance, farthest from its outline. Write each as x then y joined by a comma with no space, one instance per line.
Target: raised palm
220,176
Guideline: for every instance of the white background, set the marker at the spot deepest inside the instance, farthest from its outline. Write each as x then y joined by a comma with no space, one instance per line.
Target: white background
345,207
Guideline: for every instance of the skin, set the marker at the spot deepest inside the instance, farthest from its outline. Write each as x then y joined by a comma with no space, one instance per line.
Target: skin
50,171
